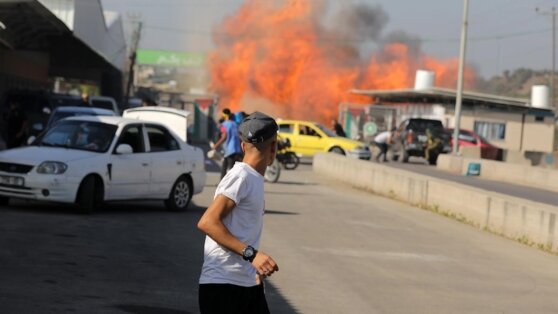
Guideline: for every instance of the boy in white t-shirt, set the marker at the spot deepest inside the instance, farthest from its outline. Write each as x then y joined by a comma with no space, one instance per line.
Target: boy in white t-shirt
233,268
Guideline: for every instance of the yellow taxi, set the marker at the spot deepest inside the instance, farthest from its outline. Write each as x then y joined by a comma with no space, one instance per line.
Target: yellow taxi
308,138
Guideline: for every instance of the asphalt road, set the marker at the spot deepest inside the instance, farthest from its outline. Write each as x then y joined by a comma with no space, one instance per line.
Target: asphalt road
339,250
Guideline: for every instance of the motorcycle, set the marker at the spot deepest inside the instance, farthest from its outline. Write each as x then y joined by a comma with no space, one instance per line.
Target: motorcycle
273,171
287,158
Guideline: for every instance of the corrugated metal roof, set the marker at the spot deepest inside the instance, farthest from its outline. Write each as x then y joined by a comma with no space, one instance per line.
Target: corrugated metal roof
445,96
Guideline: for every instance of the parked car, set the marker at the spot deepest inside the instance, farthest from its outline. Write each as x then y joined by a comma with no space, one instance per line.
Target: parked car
172,118
411,139
88,160
65,112
104,102
308,138
36,106
472,139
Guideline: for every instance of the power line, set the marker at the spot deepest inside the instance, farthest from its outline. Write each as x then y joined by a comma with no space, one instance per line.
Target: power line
423,40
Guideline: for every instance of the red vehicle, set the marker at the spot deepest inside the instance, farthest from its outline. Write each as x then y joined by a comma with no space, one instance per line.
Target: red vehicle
470,138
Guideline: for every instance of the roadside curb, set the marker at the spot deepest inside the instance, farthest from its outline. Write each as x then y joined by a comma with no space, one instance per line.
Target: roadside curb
519,219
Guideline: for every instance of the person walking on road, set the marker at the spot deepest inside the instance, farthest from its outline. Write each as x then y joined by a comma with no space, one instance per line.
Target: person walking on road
230,141
233,267
382,141
16,129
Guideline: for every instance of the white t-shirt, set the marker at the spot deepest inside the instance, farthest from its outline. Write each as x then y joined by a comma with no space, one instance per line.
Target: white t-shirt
245,186
382,137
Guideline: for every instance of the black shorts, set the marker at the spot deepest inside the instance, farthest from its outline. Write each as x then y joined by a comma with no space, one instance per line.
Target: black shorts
232,299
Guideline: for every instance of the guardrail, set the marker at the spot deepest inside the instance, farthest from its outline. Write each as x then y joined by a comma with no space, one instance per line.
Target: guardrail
501,171
519,219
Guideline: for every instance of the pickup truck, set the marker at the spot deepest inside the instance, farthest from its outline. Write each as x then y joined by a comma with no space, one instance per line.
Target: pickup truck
411,139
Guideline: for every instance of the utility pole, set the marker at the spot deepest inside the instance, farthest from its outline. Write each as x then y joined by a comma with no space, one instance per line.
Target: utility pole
552,12
134,43
459,96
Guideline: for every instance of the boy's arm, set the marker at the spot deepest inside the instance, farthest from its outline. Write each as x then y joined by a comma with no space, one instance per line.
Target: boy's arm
211,224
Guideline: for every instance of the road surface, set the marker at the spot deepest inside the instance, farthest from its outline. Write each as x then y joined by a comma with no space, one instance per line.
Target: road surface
339,250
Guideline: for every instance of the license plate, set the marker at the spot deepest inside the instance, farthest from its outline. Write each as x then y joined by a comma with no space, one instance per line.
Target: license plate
13,181
422,138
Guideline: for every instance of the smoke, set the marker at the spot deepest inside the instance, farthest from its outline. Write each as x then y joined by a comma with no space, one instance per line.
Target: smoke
284,56
361,22
413,42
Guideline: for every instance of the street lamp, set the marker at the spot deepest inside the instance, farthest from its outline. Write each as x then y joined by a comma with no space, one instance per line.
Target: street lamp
459,95
552,86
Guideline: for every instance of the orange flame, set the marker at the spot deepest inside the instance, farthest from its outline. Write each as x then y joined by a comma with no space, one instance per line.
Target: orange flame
276,58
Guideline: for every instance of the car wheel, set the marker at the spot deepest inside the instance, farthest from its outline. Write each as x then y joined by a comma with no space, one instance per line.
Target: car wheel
180,195
291,161
337,150
89,196
4,201
403,156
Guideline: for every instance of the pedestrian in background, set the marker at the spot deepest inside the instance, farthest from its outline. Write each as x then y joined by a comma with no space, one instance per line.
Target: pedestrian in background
85,100
16,126
230,141
337,128
233,267
382,140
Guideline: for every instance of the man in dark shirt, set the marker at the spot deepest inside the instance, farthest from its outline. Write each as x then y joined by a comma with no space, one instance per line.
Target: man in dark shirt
16,126
337,128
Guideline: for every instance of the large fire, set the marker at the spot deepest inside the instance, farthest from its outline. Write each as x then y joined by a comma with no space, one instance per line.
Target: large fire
276,56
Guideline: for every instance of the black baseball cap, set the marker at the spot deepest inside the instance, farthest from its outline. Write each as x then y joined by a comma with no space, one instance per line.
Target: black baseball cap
257,128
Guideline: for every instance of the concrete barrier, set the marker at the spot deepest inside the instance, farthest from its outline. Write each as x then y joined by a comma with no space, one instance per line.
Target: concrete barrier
519,219
501,171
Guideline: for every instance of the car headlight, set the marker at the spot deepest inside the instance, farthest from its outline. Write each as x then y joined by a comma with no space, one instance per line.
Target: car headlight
52,167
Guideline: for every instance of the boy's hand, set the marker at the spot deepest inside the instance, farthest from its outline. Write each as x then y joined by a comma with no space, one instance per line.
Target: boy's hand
264,264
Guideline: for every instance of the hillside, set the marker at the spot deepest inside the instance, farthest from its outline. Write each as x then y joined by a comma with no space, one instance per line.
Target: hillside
514,84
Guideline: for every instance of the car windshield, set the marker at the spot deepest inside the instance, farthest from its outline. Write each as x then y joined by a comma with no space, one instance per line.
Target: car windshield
327,131
59,115
82,135
422,125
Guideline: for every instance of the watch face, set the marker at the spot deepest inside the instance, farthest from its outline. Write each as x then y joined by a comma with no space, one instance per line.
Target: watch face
249,252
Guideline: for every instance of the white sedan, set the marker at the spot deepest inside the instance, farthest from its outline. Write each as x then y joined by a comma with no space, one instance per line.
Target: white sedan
89,160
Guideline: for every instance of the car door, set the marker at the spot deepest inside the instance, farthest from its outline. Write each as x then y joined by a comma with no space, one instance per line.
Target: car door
309,139
167,160
287,131
129,174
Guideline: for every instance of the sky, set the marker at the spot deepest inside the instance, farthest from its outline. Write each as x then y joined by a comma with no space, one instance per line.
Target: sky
502,34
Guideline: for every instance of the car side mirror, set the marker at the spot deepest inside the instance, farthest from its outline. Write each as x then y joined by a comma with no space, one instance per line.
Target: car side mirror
30,140
38,127
124,149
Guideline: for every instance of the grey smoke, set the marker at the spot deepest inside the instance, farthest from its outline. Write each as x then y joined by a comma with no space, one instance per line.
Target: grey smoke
413,42
361,22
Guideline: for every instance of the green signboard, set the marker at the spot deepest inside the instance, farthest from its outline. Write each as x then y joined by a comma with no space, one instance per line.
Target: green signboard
170,58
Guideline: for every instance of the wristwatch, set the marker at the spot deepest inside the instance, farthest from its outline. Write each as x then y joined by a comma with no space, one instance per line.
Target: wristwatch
249,253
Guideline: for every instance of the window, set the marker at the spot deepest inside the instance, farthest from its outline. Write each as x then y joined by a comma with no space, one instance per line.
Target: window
286,128
134,137
491,130
160,139
307,130
539,119
467,138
